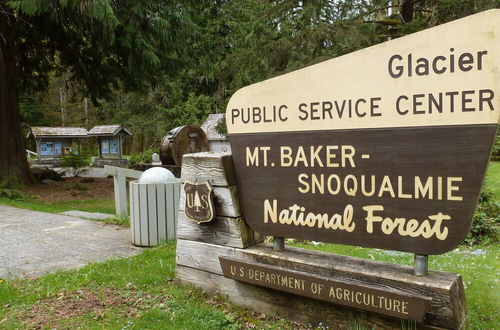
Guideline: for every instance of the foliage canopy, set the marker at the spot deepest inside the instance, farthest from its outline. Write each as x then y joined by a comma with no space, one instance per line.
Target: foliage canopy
157,64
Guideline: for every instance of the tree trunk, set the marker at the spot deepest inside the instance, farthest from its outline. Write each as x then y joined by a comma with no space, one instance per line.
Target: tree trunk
86,112
13,161
407,11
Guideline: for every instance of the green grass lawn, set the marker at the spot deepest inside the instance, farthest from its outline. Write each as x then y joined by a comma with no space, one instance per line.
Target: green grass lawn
493,178
130,293
94,205
139,292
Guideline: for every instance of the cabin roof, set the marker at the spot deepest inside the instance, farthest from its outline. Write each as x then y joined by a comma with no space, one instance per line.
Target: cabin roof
108,130
38,132
209,126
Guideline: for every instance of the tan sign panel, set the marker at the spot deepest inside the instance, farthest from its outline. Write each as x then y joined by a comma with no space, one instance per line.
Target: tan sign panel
447,75
385,147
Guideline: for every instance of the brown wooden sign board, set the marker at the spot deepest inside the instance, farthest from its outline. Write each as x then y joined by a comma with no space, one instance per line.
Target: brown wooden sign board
380,300
385,147
199,205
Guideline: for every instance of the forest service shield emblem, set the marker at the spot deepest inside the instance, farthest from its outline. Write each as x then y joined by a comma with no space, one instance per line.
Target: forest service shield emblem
199,205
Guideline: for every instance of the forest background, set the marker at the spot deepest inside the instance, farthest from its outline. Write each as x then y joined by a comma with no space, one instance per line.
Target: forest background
222,46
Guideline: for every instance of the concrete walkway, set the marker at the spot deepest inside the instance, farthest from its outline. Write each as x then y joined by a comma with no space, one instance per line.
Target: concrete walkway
35,243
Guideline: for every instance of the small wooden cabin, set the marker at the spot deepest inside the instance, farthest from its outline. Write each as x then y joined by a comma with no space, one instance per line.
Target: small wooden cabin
56,142
110,139
216,141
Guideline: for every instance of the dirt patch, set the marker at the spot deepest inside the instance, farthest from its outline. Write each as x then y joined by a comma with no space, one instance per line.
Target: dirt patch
71,189
50,311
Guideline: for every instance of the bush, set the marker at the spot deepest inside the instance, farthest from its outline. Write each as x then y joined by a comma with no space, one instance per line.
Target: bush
486,220
144,157
118,220
9,189
75,164
221,128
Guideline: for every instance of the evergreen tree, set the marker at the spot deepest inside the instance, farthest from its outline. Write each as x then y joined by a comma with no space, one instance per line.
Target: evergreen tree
195,56
105,44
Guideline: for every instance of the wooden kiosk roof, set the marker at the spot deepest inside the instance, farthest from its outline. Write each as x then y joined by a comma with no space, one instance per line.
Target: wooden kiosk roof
67,132
108,130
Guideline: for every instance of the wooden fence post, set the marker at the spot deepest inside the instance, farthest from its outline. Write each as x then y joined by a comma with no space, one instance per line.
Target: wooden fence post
120,194
120,184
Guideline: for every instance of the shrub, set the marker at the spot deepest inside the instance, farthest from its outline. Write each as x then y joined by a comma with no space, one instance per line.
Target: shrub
9,189
75,164
118,220
144,157
486,220
221,128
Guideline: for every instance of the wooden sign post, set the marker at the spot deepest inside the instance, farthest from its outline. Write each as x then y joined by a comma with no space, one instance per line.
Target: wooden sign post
386,148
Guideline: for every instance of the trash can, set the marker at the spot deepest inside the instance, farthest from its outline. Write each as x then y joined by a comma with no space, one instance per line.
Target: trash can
154,207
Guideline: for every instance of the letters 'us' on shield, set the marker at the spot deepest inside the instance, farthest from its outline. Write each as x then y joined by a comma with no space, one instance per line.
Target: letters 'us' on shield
385,147
199,205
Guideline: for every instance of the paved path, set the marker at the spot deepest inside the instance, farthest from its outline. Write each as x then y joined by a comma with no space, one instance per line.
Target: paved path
34,243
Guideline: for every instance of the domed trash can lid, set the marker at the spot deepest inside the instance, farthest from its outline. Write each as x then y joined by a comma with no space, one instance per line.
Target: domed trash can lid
156,175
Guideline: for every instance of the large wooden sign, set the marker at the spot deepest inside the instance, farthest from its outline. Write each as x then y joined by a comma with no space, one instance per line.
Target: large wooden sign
385,147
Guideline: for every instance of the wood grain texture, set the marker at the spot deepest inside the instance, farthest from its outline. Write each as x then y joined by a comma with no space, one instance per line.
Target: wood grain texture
177,194
182,140
309,312
208,166
225,201
225,231
447,307
373,298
